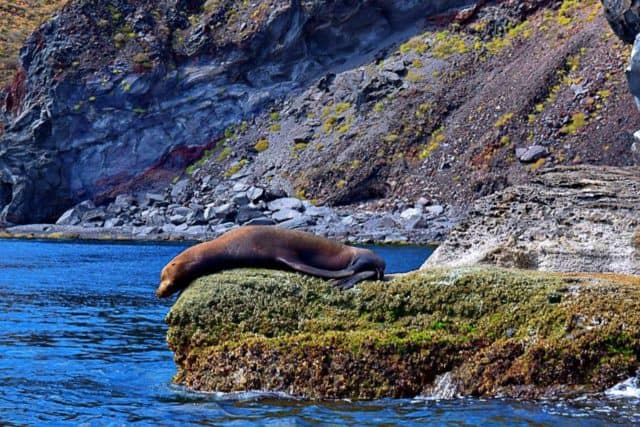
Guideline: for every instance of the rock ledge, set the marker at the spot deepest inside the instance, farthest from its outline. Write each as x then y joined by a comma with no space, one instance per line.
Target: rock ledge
496,332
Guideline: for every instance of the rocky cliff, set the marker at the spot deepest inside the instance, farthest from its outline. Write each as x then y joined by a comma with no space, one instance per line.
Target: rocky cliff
379,106
580,218
110,88
490,332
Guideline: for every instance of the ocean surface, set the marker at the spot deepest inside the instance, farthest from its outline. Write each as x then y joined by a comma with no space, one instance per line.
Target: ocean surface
82,342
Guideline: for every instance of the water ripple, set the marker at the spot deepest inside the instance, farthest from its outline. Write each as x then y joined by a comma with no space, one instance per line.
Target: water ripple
82,342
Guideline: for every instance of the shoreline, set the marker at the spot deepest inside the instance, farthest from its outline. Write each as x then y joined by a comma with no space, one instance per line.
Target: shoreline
135,234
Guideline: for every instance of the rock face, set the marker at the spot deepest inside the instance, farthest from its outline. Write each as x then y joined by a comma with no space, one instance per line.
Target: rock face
568,219
491,331
109,89
623,17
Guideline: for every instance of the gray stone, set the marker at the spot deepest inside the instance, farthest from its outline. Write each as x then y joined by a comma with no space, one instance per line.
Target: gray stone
319,211
154,199
385,222
262,220
394,65
297,222
124,200
285,214
422,201
182,227
411,213
113,222
168,228
70,217
210,213
177,219
285,203
223,228
183,211
246,214
239,187
434,210
94,215
146,231
348,220
74,216
226,211
254,193
179,188
240,199
531,153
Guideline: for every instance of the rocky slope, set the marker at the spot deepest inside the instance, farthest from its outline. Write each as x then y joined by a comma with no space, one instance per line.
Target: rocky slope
18,18
482,99
109,89
492,332
567,219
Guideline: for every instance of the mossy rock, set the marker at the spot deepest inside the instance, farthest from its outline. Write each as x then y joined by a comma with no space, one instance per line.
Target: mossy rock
499,332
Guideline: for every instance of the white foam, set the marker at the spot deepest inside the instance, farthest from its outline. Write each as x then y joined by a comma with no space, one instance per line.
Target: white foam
444,388
629,388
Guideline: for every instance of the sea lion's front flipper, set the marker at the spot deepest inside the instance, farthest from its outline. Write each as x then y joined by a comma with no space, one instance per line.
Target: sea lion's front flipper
349,282
314,271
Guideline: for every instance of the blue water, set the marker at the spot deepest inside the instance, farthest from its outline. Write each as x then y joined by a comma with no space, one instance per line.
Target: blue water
82,342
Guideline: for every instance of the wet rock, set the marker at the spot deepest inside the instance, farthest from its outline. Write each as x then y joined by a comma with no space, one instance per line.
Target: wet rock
225,212
504,358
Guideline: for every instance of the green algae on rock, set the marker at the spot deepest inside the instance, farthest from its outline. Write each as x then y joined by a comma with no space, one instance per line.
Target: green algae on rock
499,332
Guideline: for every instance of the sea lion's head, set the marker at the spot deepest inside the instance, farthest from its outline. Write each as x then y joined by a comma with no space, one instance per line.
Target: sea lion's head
366,260
172,279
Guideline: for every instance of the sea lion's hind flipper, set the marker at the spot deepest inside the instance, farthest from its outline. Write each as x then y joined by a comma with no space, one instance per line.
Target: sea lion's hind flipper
314,271
349,282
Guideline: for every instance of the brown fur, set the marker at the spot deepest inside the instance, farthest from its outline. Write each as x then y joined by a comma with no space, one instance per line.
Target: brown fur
271,247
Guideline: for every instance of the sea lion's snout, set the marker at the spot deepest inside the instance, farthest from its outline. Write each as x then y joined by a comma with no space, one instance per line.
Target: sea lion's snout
164,289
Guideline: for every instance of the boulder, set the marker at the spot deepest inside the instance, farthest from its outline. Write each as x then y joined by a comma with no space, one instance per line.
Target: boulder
247,213
74,216
297,222
285,203
255,193
495,332
178,190
285,214
531,153
581,218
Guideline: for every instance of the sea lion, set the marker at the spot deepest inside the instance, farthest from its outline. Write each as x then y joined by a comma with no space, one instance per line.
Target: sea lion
271,247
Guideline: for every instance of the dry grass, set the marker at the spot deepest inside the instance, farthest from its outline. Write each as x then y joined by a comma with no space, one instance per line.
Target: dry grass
18,18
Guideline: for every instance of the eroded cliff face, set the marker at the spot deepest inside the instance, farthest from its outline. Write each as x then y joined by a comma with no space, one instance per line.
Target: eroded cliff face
109,89
581,218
